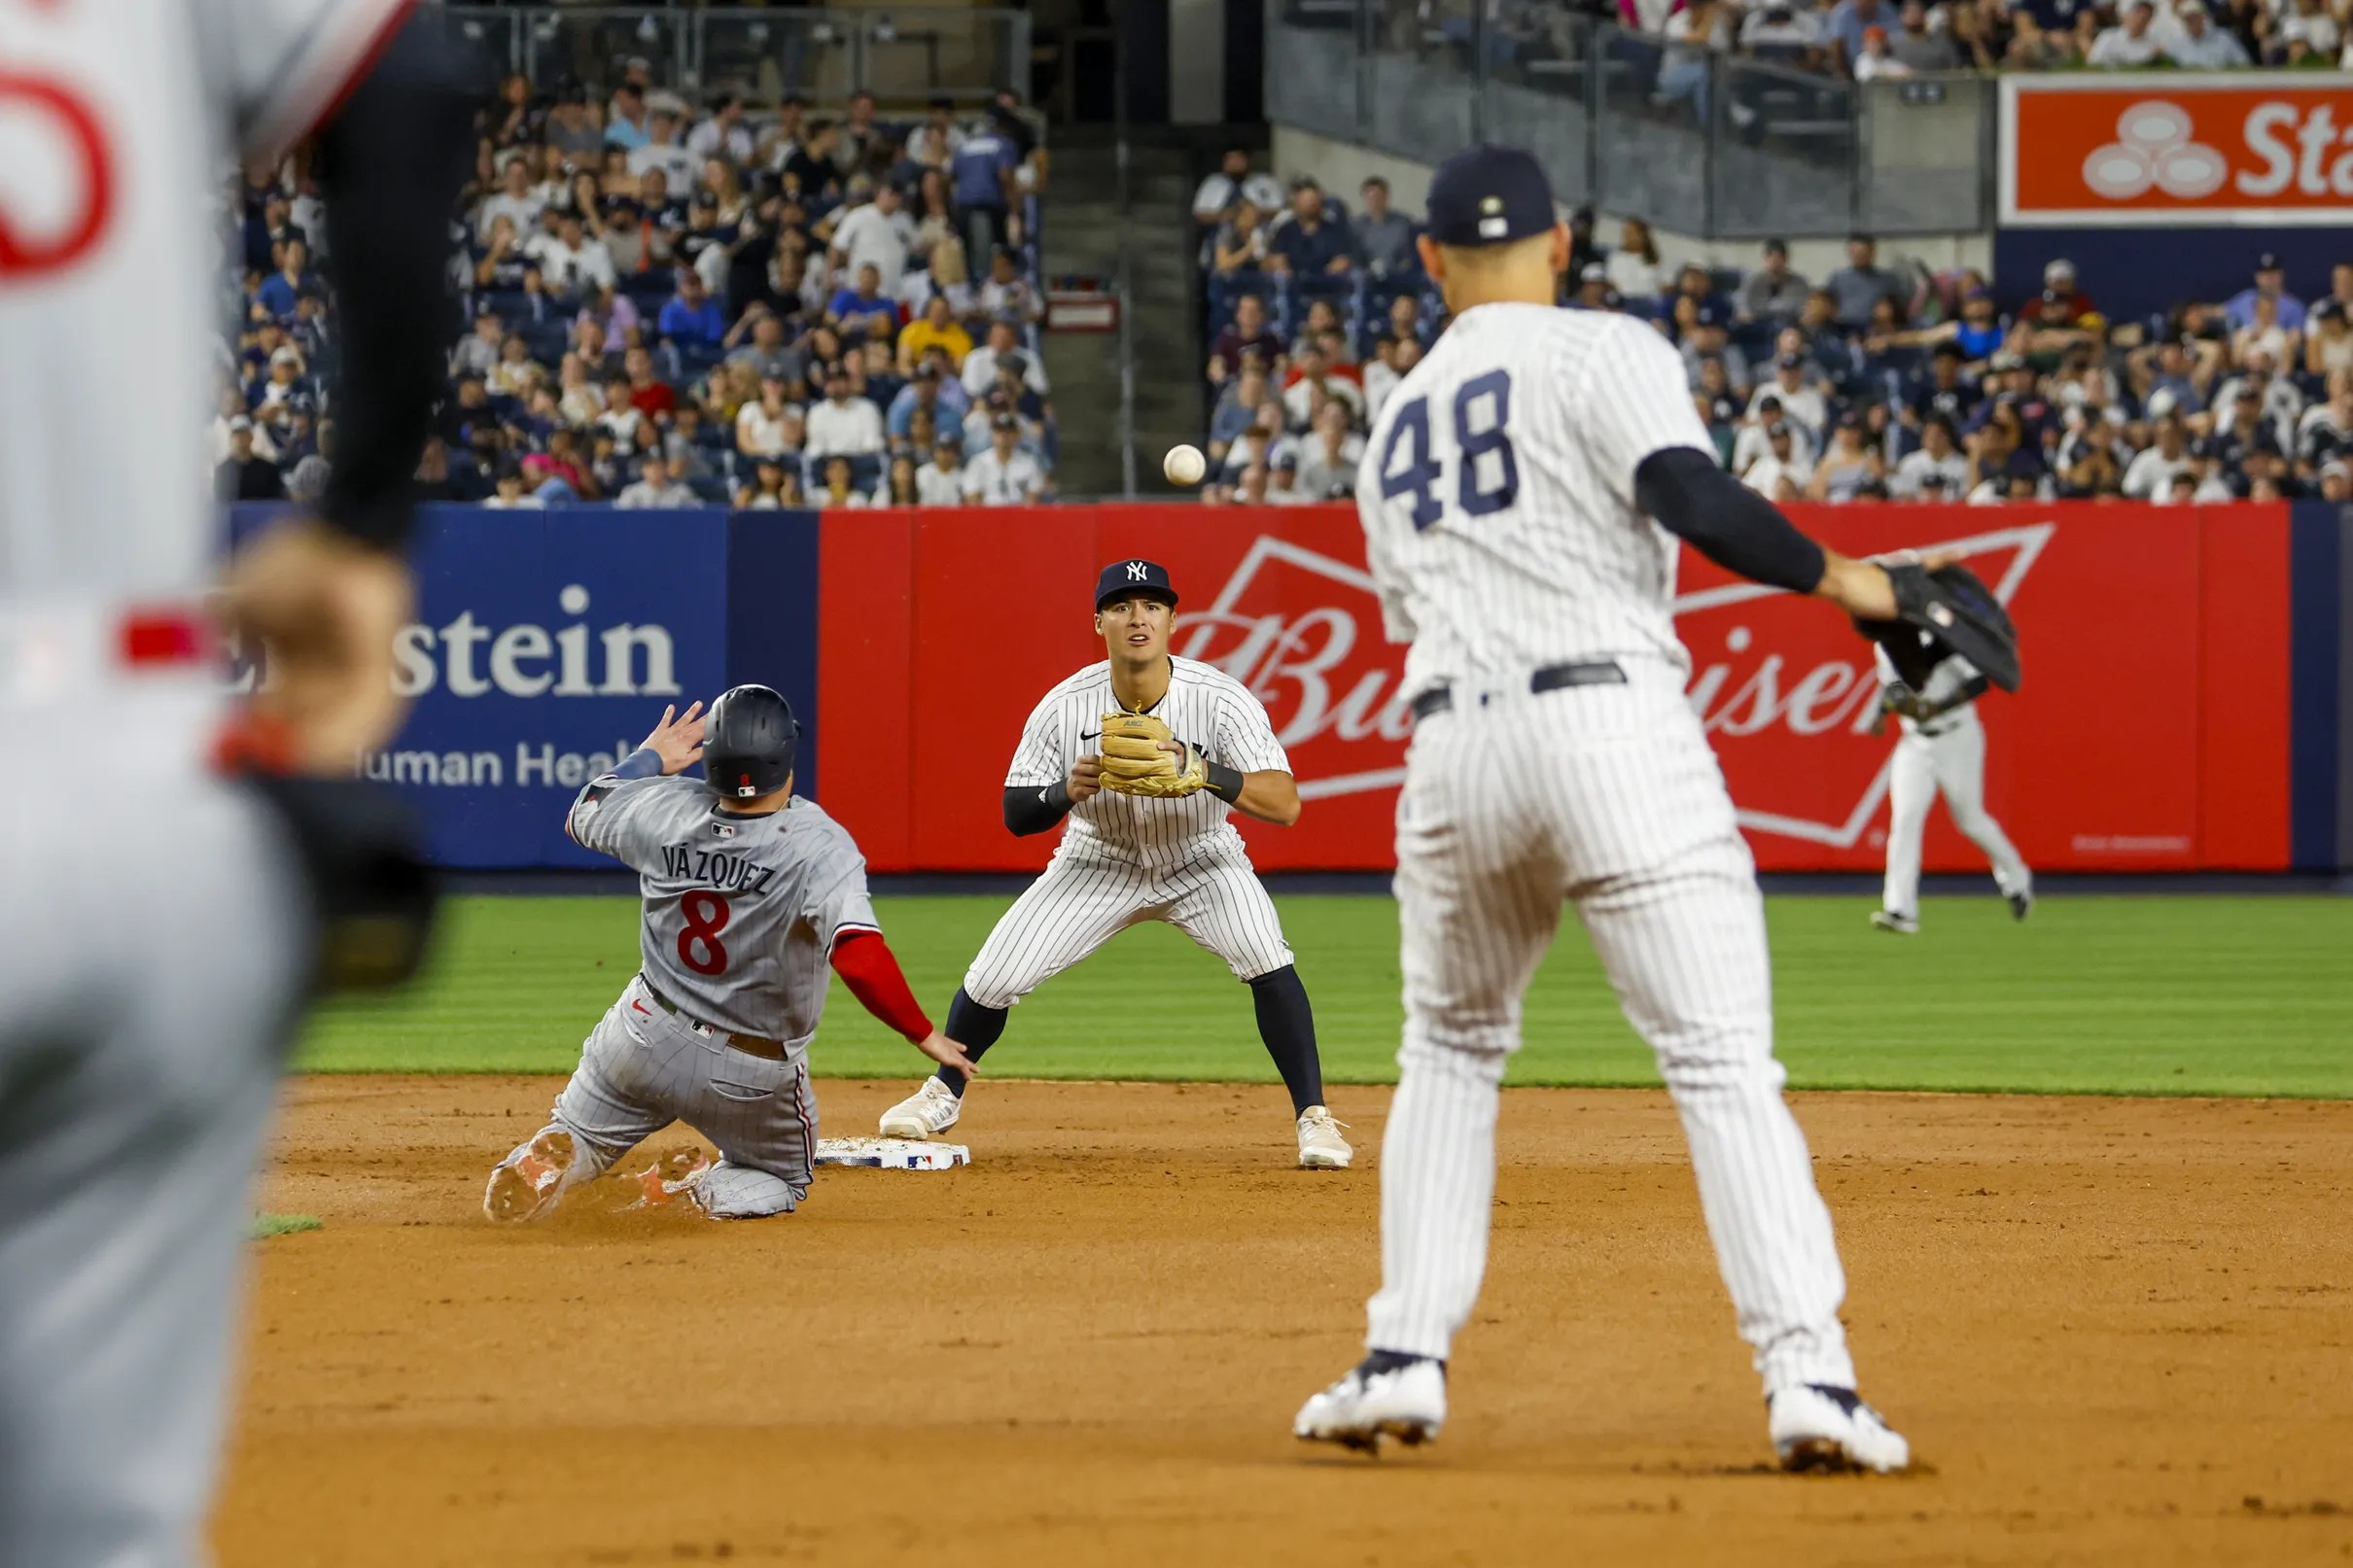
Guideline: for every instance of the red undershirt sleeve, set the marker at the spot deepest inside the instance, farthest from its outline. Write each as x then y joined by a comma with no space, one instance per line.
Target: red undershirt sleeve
867,966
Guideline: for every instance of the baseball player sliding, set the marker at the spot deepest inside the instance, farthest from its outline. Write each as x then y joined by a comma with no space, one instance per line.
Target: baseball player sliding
1181,744
1941,749
749,895
1508,499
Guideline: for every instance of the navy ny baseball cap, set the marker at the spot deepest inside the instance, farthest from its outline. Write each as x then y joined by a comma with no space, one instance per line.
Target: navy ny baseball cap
1490,195
1122,579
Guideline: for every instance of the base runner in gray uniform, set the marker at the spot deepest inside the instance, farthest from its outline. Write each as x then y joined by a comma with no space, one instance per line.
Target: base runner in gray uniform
1143,848
751,895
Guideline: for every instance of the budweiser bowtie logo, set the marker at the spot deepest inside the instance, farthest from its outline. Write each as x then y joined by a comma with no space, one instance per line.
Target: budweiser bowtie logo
1303,631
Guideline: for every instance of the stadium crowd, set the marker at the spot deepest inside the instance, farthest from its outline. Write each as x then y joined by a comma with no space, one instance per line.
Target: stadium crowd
1879,380
1863,39
676,306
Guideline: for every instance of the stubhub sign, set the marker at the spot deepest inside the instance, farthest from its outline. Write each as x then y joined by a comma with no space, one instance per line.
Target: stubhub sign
546,644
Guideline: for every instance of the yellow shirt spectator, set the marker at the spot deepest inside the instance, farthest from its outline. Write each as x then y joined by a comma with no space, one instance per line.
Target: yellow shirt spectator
938,326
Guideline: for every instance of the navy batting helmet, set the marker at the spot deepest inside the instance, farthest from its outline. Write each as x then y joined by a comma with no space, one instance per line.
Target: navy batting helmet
749,738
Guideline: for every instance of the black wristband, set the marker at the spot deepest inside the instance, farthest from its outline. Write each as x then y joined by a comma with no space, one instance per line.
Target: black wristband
1225,782
1058,795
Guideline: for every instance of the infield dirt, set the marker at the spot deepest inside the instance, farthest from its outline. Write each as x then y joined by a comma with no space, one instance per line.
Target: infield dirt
2114,1331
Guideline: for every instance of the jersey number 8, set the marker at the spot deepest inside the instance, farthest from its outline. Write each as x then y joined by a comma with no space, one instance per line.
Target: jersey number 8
1479,430
699,948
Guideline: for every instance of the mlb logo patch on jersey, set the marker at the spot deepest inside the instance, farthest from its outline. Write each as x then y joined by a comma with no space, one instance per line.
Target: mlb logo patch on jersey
725,830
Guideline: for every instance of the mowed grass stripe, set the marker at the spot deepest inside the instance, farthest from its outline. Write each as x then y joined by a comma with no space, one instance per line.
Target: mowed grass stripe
2195,996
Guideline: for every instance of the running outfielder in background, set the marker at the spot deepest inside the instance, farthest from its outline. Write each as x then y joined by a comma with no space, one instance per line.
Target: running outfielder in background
750,895
1941,749
1508,498
1181,744
148,1010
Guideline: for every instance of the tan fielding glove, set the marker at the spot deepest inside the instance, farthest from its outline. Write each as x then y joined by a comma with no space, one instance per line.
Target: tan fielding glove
1134,764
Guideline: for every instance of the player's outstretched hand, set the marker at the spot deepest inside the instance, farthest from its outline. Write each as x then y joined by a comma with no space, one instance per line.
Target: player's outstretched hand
1086,779
678,740
947,1053
1861,588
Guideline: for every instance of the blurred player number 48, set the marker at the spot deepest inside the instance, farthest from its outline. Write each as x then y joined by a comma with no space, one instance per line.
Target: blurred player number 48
2242,146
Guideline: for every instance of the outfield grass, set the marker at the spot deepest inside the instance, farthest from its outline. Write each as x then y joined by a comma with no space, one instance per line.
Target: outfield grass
2205,995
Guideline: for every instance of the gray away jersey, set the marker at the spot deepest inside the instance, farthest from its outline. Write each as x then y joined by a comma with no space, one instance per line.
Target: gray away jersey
1203,706
1498,494
741,913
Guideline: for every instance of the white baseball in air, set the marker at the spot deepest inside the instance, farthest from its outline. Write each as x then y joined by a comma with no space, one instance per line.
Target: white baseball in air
1184,465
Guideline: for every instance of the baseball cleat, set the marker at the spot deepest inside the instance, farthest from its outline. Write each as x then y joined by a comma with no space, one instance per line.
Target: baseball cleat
671,1176
1887,919
1321,1145
528,1182
932,1108
1385,1395
2022,905
1819,1428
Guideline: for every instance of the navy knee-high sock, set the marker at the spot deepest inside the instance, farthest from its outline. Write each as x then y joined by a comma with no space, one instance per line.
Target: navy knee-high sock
1287,1026
974,1027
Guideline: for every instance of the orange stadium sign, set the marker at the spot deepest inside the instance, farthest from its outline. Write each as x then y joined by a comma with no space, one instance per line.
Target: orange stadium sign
2172,149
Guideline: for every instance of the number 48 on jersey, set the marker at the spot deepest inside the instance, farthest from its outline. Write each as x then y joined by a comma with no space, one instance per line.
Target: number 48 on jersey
1487,472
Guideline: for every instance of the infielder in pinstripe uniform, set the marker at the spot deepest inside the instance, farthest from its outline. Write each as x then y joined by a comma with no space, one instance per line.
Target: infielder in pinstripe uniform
750,895
1508,501
1156,847
1942,749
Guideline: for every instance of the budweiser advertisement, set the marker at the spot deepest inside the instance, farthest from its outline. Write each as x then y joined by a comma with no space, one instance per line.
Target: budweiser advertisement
2152,731
2222,149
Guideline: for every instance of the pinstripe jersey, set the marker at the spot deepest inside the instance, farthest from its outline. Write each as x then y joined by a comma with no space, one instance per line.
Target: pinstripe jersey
1203,706
741,913
106,314
1498,494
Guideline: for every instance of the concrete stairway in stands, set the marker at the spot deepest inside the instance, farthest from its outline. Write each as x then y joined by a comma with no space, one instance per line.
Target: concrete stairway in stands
1084,231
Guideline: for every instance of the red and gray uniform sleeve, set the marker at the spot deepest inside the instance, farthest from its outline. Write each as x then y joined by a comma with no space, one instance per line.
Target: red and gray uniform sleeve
603,815
843,916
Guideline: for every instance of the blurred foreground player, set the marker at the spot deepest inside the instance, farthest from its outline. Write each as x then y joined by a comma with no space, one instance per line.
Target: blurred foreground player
164,905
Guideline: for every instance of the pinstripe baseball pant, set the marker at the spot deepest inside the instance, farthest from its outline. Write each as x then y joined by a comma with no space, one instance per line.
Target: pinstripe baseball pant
1077,905
1609,797
644,1068
1951,760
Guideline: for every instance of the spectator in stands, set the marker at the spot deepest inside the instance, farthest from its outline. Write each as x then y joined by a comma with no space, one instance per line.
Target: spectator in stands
2276,395
1239,243
2131,43
724,133
2328,338
1260,444
649,393
693,320
879,235
1781,34
1846,24
1233,184
662,198
1238,406
2200,45
570,260
1877,59
2151,474
1593,292
637,239
625,118
1847,465
1247,334
245,474
1692,34
840,486
1004,341
1383,238
932,396
1920,47
1781,473
1003,476
899,488
1322,316
574,132
759,341
940,482
940,328
477,354
774,486
844,424
982,180
933,144
1006,292
1328,457
862,141
517,373
2264,336
2336,481
850,308
1251,486
1861,283
1633,268
1795,398
1404,320
683,447
769,425
515,200
1709,338
291,280
2270,282
1306,243
1935,468
655,490
1312,379
509,494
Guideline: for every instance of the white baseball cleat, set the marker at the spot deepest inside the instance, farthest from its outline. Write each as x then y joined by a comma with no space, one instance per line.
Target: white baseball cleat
1887,919
528,1182
932,1108
1820,1428
1385,1395
1321,1145
671,1176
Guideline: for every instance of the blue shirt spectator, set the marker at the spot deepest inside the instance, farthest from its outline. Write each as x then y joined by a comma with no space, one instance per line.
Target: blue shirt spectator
852,307
282,287
691,317
2240,310
953,404
977,171
1307,243
1846,21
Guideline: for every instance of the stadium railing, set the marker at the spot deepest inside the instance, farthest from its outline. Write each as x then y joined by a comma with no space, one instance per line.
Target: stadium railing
1719,146
909,52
